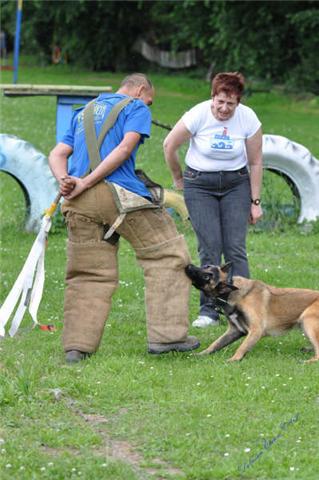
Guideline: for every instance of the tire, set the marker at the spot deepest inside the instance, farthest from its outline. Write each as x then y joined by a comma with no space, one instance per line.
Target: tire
300,170
30,169
280,155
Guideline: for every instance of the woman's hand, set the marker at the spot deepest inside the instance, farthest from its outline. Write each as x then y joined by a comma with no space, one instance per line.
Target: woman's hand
179,184
256,213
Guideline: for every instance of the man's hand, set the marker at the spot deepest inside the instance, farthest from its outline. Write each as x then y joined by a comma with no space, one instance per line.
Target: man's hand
67,184
71,187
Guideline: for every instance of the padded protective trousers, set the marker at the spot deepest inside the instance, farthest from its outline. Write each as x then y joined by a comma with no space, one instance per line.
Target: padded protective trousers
92,270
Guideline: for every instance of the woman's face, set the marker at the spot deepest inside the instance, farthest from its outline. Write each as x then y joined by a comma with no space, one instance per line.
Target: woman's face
224,106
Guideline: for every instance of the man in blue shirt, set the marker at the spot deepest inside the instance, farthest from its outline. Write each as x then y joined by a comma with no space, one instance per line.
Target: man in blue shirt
90,209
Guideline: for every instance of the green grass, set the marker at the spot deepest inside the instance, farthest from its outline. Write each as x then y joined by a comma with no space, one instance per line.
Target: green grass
124,414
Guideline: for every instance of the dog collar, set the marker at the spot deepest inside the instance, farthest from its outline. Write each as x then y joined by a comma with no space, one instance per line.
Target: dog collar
223,306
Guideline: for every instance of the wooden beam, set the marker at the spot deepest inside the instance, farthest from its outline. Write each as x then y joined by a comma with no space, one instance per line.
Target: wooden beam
16,90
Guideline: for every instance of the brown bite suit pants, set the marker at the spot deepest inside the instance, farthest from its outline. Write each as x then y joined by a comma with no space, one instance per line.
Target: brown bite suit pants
92,270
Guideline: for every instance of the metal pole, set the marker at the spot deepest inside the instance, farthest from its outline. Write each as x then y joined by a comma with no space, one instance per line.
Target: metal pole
17,40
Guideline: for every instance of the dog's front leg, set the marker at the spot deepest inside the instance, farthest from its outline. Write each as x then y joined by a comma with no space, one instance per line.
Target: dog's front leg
230,336
251,339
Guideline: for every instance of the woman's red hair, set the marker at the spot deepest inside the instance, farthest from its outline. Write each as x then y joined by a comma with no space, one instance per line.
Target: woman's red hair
232,83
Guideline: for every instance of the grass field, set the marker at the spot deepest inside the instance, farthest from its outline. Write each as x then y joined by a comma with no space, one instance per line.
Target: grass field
124,414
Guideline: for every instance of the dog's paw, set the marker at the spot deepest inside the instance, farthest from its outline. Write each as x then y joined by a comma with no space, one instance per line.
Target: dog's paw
203,352
234,358
312,360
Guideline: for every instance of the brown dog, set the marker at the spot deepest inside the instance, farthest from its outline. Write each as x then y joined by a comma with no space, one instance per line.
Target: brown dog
254,309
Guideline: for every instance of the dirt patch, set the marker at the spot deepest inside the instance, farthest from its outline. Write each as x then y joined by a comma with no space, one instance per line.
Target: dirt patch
121,450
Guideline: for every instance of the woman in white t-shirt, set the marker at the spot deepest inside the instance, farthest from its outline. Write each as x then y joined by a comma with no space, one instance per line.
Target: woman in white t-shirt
222,179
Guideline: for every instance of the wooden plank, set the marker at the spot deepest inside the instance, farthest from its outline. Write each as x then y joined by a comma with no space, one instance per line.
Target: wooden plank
15,90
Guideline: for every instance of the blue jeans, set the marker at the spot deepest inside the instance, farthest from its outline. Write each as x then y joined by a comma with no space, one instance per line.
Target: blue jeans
219,207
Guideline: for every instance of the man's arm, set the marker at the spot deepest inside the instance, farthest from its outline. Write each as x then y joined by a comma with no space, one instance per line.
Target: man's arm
254,154
110,163
58,162
172,142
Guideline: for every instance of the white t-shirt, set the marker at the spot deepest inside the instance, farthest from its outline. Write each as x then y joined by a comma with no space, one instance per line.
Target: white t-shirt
215,144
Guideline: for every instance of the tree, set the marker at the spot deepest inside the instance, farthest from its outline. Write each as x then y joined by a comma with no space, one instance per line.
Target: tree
262,39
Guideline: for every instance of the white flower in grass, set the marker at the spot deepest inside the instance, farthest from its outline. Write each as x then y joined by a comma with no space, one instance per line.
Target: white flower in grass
3,450
292,469
1,441
226,454
247,384
284,384
298,441
208,415
8,465
262,434
227,435
247,449
50,464
277,374
104,465
42,469
21,468
198,384
263,387
305,387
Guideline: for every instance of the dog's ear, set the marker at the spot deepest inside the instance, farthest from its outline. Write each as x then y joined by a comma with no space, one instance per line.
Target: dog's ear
227,267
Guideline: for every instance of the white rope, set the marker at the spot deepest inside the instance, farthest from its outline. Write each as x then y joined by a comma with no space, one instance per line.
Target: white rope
28,285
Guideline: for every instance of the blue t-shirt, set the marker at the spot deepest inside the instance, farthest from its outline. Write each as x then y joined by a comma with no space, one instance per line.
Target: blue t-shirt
135,117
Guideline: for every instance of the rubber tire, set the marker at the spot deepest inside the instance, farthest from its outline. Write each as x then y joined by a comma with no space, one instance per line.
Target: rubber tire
299,168
30,169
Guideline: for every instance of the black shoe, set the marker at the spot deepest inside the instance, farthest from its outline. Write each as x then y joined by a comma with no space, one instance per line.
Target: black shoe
73,356
191,343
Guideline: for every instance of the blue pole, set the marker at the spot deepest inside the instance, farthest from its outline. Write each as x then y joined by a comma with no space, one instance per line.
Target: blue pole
17,40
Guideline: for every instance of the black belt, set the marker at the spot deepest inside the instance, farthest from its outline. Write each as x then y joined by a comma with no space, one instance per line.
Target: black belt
240,170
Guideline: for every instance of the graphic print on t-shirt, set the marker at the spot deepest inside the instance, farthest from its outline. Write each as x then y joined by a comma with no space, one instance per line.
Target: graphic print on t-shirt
221,141
99,112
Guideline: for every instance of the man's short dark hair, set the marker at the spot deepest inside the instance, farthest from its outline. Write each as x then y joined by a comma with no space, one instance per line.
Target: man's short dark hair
137,79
